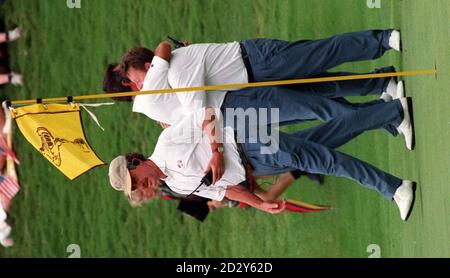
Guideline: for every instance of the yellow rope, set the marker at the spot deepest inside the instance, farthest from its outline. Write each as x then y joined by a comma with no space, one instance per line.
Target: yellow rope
231,86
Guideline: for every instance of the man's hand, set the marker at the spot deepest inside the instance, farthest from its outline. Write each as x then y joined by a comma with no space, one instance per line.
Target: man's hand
241,194
217,166
213,205
163,125
273,207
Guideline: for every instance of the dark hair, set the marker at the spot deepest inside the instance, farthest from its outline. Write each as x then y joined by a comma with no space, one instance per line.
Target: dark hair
112,82
136,58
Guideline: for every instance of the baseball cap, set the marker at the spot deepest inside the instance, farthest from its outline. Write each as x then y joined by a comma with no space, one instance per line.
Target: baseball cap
119,176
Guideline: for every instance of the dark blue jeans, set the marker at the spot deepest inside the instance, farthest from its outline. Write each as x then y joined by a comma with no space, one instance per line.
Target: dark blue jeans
299,103
276,60
312,150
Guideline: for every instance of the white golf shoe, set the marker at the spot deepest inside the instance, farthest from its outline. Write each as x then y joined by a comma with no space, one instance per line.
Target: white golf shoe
393,91
399,91
406,127
386,97
404,198
394,40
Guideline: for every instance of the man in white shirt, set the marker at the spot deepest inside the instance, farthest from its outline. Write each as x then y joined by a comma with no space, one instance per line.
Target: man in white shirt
257,60
205,64
180,157
182,152
213,64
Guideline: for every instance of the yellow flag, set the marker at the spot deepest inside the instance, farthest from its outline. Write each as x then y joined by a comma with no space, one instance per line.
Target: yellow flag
56,131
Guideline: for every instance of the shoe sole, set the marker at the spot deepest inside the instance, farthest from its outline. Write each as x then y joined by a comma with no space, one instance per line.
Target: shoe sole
414,186
407,115
404,88
411,119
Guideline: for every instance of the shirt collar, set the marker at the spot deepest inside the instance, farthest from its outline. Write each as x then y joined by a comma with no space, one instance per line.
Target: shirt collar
161,163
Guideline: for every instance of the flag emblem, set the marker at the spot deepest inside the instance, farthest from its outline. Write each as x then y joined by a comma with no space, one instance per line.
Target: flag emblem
50,145
8,187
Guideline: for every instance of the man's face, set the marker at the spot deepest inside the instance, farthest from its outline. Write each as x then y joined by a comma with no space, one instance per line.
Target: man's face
130,85
136,76
146,178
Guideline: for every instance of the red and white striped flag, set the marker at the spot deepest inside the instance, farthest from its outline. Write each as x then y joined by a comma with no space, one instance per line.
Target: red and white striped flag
8,187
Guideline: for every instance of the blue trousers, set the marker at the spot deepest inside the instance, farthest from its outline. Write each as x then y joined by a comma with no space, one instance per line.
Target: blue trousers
275,59
300,103
340,89
312,150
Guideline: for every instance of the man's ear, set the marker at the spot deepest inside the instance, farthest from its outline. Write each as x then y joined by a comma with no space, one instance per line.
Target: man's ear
147,65
125,83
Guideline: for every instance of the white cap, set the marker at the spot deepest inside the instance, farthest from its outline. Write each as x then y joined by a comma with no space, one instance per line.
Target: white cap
119,176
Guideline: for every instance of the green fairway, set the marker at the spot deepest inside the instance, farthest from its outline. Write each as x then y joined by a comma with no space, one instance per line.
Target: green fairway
64,52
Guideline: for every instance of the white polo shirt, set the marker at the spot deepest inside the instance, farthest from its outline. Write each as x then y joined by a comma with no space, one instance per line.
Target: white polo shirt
159,107
183,152
192,66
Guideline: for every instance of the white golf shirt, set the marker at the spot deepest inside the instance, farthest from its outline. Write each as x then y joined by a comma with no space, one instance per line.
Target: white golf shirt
159,107
183,152
192,66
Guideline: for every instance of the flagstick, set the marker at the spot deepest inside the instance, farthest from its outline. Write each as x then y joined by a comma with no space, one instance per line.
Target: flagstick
231,86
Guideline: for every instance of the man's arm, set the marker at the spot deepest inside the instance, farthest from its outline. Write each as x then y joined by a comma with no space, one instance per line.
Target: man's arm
280,185
205,120
157,107
164,51
216,164
241,194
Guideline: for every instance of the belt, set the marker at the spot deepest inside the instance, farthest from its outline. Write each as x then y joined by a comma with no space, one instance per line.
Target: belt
241,151
251,183
247,64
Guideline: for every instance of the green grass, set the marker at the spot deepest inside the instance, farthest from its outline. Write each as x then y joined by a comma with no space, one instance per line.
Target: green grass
64,52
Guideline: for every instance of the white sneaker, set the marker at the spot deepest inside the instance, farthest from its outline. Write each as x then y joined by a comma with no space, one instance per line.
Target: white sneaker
391,88
394,90
15,79
14,34
400,90
394,40
386,97
404,197
405,127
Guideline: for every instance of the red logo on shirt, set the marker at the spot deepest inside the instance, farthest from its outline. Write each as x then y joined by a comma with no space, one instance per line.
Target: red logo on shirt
180,164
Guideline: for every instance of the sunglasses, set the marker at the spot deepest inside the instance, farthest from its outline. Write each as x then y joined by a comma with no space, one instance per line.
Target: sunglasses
133,163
